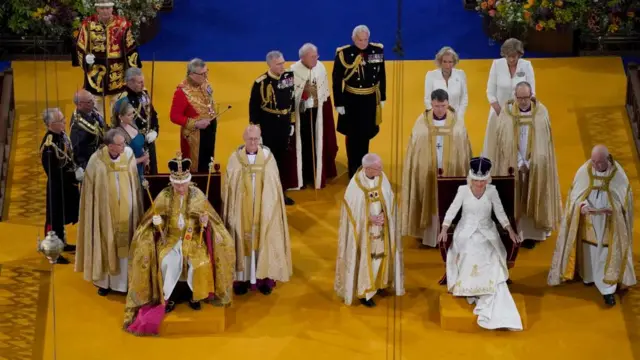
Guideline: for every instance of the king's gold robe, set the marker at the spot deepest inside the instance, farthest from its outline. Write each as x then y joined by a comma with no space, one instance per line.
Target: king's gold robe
150,247
538,195
110,209
255,215
433,144
603,240
370,257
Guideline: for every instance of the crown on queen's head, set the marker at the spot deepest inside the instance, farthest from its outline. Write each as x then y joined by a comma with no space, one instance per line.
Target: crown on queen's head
179,169
480,168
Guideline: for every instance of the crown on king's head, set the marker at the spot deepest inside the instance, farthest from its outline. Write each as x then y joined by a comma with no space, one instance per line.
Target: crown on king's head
179,169
480,168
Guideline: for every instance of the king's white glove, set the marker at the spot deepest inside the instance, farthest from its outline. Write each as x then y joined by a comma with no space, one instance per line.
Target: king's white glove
157,220
292,130
340,110
79,174
151,136
382,104
90,59
308,103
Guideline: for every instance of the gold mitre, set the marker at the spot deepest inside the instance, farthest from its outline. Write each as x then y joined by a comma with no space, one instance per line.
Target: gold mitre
179,169
104,3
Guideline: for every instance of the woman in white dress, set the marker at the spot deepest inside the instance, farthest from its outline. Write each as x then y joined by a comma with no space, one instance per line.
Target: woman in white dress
477,259
504,75
449,79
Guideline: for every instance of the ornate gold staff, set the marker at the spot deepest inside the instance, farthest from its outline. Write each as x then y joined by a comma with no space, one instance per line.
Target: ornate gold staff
145,185
206,198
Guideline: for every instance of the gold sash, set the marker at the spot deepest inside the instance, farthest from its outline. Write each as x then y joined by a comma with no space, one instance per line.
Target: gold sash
251,202
119,206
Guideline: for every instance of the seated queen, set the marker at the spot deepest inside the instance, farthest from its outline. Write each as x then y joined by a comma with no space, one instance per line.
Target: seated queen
476,262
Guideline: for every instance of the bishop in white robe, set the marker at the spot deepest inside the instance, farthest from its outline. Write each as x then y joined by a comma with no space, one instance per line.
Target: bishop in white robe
315,131
596,234
477,259
369,246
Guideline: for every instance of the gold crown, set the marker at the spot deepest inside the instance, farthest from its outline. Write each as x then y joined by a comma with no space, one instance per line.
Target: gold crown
179,168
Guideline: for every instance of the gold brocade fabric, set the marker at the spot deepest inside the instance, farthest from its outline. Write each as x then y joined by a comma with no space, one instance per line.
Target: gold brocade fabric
541,198
149,247
201,98
354,270
273,250
251,204
119,202
420,172
102,239
567,258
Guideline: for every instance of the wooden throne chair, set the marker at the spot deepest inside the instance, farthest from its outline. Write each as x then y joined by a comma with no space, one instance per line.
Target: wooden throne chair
158,182
506,186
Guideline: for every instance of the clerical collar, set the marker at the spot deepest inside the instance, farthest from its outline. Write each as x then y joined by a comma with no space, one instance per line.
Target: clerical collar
526,110
114,158
252,153
443,117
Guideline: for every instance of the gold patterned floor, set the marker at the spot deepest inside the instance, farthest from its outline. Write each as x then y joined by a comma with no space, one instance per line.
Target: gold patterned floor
303,318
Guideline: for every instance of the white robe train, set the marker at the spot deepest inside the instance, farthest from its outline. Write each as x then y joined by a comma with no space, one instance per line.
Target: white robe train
476,261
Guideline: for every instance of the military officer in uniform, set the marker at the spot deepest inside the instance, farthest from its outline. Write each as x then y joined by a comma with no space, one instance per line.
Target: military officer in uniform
146,118
63,176
271,108
105,49
359,93
87,128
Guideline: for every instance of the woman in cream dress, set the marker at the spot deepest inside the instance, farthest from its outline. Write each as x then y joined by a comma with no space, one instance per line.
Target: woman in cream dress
449,79
504,75
477,259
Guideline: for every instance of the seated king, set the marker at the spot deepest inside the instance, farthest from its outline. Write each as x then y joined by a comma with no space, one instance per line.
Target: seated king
180,251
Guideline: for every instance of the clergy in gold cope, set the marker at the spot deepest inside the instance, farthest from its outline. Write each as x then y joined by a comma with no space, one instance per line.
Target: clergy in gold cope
110,209
438,140
370,256
521,139
181,241
596,233
255,215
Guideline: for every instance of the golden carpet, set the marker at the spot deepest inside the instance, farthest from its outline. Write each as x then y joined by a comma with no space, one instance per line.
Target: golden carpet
303,318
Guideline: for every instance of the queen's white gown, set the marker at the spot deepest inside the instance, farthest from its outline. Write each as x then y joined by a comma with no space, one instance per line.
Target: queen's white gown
477,259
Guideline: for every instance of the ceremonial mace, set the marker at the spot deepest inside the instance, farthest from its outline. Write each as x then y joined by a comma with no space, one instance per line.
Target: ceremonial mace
207,194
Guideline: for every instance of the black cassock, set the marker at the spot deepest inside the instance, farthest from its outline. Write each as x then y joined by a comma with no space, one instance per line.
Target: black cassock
146,119
63,193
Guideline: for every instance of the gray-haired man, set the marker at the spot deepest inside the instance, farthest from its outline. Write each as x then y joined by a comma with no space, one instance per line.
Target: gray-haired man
146,117
271,107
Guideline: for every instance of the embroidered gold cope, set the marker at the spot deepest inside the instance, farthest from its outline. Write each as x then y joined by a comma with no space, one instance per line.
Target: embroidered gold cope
255,215
420,171
539,191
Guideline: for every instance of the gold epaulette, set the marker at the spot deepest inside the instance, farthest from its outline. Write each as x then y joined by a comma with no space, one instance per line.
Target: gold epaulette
49,140
342,48
122,95
377,45
261,78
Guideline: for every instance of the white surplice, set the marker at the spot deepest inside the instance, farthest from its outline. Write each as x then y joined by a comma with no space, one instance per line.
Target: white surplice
501,86
477,259
595,255
430,237
526,225
119,282
250,261
456,87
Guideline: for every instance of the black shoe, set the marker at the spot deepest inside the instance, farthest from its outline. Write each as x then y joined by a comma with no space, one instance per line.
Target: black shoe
69,248
288,201
509,282
266,290
241,288
103,292
529,244
368,303
62,260
195,305
609,300
588,284
169,306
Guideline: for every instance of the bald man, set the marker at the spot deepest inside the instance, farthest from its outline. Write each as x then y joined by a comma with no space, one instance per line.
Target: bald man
255,216
596,234
87,128
369,249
